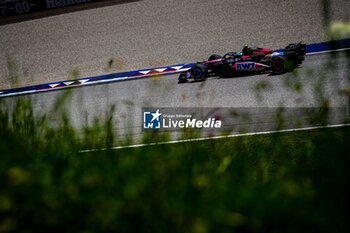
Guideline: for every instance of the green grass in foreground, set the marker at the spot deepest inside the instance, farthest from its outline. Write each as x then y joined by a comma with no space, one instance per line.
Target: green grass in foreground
290,182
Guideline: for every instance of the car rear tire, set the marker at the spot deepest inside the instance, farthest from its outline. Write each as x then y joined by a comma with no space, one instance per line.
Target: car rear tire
277,66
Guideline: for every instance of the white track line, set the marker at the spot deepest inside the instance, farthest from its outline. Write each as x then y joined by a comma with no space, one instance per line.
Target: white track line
219,137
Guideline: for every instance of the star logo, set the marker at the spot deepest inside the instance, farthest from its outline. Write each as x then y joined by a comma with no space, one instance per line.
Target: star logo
156,115
151,120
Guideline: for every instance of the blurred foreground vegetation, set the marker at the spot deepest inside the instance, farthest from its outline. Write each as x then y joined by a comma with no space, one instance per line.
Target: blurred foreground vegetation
290,182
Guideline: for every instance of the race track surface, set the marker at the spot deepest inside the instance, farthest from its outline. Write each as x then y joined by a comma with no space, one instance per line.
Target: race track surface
263,93
152,33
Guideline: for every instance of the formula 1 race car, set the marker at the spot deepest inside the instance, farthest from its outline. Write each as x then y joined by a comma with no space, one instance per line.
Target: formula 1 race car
249,61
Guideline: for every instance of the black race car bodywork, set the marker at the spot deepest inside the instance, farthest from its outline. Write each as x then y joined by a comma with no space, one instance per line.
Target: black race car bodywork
249,61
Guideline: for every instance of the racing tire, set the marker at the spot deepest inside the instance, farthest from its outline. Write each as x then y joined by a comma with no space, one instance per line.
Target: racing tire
277,66
199,72
182,78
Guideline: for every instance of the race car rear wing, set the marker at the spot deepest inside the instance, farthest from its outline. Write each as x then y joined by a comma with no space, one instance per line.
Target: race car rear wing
295,52
295,49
